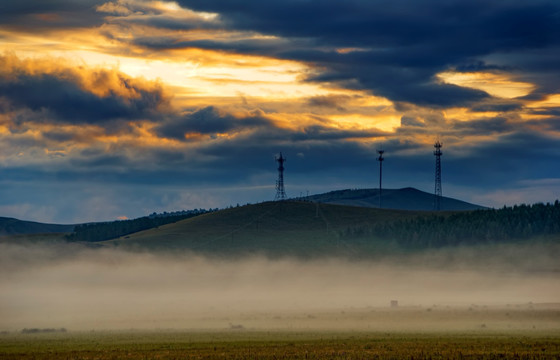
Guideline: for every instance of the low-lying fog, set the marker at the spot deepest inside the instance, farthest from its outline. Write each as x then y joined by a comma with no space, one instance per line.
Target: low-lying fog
81,288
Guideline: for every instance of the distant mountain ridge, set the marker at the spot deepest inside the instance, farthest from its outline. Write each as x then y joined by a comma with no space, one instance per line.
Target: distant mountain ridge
11,226
399,199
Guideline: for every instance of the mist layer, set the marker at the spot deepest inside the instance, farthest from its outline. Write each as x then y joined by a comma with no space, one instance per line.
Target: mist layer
81,288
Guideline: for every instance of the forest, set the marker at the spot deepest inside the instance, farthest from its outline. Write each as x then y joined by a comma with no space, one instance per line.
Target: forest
506,224
426,230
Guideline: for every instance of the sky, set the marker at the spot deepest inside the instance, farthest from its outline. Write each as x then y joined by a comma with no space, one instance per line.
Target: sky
117,109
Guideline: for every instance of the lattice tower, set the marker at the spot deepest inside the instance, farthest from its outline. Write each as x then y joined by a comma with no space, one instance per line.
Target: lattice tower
380,159
280,192
437,190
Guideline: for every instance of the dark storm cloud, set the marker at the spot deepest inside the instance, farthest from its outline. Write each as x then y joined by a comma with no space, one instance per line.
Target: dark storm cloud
425,124
433,24
547,112
59,136
329,101
407,121
258,156
318,132
341,163
395,48
246,46
31,15
72,96
223,162
252,142
479,65
496,125
507,160
552,124
496,107
69,103
107,161
209,121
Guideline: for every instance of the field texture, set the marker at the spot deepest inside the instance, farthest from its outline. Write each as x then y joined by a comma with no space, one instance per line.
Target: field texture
236,344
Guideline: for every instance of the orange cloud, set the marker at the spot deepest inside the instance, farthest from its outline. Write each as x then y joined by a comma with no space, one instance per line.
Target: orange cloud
44,83
499,85
102,82
50,17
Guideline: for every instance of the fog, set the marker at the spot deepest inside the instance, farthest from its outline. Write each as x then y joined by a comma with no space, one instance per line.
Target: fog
81,288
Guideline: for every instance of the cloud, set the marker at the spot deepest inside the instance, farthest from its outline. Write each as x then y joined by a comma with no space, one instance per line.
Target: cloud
404,44
497,125
77,94
407,121
329,101
496,107
329,79
394,50
32,16
210,121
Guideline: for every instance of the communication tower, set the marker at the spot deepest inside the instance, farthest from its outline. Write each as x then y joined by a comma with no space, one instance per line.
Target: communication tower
380,159
280,192
437,192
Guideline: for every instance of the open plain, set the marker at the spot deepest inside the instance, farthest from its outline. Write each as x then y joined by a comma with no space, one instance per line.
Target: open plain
295,344
522,331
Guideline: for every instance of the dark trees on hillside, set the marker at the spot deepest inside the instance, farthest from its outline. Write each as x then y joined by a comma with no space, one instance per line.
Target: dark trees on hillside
472,227
111,230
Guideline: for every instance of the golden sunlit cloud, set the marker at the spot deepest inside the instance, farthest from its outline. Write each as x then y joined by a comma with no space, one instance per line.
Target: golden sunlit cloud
552,100
499,85
384,122
192,73
349,50
132,7
102,82
114,8
465,114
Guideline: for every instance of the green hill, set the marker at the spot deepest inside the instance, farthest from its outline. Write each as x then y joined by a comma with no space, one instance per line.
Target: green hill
307,229
275,228
403,199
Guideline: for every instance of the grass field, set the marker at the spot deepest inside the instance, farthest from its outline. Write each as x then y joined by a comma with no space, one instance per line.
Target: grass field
528,331
281,345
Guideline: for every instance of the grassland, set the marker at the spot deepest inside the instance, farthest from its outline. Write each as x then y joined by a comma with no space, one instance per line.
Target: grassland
279,228
529,331
280,345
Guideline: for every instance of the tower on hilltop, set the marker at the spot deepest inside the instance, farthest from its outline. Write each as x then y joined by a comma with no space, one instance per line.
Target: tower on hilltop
380,159
437,190
280,192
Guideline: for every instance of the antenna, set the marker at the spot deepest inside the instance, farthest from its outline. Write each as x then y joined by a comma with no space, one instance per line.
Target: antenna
380,159
437,192
280,192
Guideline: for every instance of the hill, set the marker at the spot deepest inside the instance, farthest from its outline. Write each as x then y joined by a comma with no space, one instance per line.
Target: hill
307,229
403,199
11,226
275,228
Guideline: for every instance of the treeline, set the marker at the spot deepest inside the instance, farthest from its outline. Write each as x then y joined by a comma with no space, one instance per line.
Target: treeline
113,229
472,227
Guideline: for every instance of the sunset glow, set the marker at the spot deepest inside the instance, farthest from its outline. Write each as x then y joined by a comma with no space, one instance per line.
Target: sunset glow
177,95
494,84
